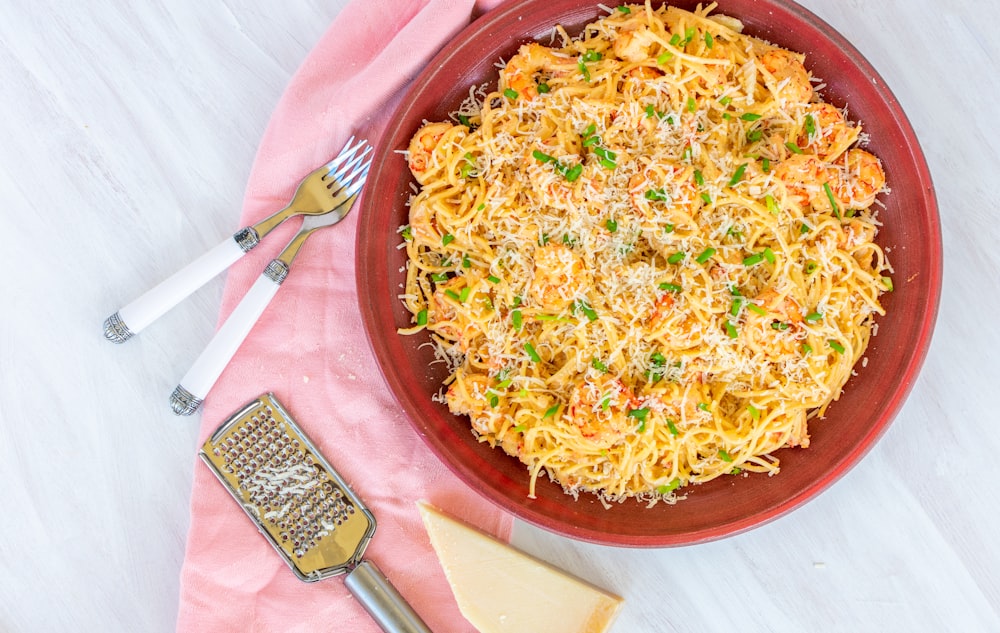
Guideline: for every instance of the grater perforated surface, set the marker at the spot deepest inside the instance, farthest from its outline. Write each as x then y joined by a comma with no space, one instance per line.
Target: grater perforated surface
289,490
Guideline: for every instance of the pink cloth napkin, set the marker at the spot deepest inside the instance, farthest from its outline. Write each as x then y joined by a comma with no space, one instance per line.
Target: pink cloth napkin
309,348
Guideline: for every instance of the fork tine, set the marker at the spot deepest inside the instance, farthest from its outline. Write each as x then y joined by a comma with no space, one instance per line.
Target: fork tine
359,177
345,153
340,173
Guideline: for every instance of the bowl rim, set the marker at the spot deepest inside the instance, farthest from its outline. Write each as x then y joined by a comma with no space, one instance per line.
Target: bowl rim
370,310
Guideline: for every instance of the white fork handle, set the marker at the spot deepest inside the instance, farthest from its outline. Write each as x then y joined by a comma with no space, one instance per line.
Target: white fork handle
134,317
198,381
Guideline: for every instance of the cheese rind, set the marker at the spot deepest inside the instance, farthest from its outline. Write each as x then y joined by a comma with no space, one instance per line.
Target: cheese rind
499,588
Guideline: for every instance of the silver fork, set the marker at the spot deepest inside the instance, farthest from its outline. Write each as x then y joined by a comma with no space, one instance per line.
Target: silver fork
320,192
198,381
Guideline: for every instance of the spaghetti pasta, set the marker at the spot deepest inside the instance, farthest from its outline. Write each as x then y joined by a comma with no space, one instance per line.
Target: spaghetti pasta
648,255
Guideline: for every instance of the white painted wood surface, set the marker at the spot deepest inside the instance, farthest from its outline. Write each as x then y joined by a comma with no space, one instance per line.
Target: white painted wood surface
129,131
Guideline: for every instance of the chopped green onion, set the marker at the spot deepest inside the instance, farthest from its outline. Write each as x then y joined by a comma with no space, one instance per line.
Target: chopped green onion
589,130
686,155
517,320
810,126
675,40
689,34
611,225
755,135
588,311
734,309
707,199
608,163
439,277
511,94
704,406
837,347
807,349
768,255
606,402
753,260
551,411
658,359
625,9
793,148
756,308
494,400
493,279
574,172
542,156
750,116
464,294
638,414
709,40
528,347
670,287
779,325
584,70
464,120
725,100
833,201
705,255
422,317
699,179
738,175
596,363
804,228
691,104
724,456
452,294
447,239
543,88
765,164
466,262
813,317
772,206
754,412
591,56
668,488
731,330
676,258
668,228
407,233
672,427
664,57
887,282
657,195
811,267
520,428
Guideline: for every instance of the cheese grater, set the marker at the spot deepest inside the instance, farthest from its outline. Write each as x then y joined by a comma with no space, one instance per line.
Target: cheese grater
305,510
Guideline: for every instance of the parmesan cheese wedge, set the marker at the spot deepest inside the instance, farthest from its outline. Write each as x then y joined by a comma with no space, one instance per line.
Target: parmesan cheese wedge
499,588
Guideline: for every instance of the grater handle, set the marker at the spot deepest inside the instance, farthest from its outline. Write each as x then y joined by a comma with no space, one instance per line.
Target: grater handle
381,600
155,302
198,381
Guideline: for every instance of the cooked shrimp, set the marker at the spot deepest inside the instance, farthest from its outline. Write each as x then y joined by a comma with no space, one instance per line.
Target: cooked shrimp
790,79
633,44
600,410
423,225
802,176
521,72
830,134
469,395
860,182
774,333
672,326
560,276
422,147
857,233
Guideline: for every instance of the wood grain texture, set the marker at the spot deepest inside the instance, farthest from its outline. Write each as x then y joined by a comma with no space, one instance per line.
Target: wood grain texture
130,129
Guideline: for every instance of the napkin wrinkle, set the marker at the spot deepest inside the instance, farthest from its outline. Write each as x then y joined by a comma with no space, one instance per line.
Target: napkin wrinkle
309,348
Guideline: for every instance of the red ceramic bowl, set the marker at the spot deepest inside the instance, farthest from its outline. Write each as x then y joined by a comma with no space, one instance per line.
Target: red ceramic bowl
727,505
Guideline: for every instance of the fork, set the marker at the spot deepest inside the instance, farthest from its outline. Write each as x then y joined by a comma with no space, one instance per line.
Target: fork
199,380
322,191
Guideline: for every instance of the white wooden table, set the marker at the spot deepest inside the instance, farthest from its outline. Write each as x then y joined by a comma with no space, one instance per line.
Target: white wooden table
129,132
